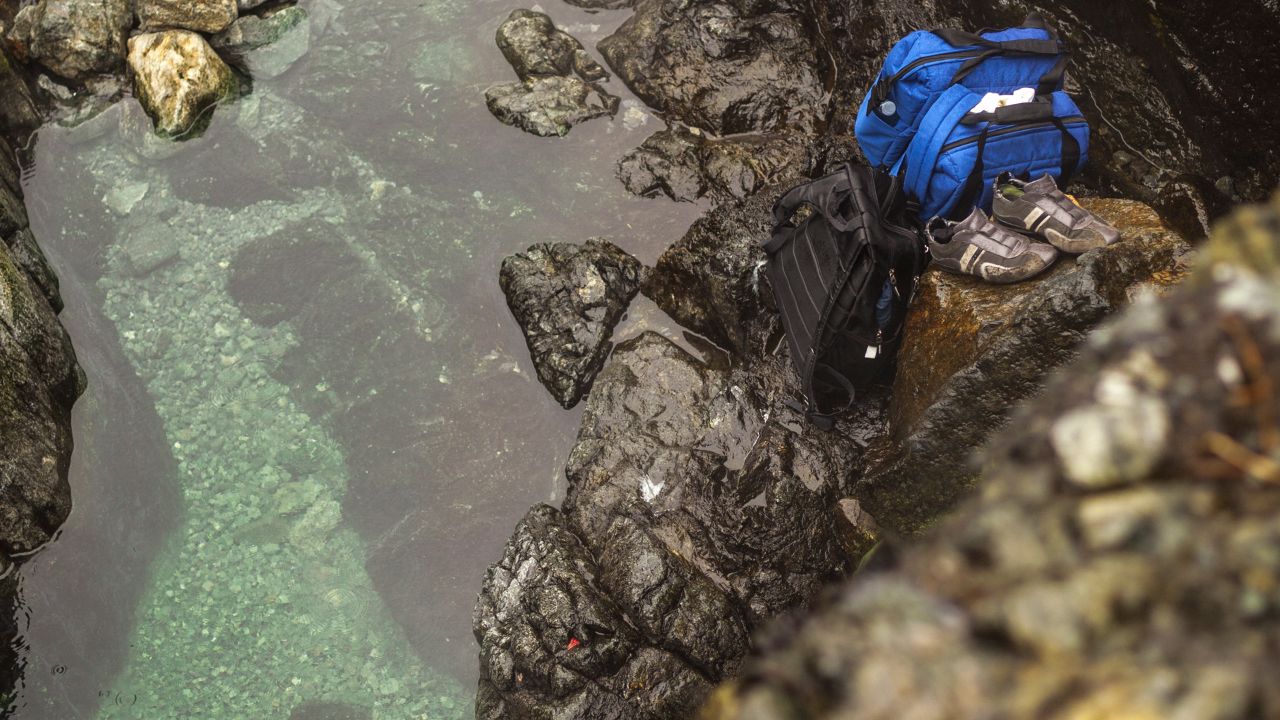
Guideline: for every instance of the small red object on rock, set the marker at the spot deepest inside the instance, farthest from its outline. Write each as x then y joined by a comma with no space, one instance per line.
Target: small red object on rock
573,643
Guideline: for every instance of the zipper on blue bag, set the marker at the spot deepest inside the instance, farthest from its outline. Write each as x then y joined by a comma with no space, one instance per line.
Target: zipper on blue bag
1012,130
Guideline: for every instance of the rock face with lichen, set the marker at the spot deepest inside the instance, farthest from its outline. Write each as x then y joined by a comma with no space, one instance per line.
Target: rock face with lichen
178,77
1121,558
566,299
73,38
558,85
973,350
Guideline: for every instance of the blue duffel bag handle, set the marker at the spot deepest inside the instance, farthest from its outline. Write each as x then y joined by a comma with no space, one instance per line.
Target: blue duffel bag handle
1049,82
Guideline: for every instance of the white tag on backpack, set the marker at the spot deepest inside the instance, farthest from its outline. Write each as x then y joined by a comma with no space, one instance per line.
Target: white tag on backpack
872,352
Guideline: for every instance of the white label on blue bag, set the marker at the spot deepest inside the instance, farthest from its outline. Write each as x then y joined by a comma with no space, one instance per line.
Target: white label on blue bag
872,352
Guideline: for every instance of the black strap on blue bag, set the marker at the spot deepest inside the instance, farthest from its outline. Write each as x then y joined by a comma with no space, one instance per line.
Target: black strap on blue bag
1049,82
1023,113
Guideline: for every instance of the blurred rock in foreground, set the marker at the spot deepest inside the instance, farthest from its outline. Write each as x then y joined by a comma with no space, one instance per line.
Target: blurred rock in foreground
1123,558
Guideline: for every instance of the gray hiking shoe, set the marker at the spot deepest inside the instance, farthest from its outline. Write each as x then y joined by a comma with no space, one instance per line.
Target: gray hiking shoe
977,246
1039,208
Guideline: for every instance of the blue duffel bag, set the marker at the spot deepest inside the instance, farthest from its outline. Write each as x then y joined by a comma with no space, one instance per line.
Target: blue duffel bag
951,164
926,63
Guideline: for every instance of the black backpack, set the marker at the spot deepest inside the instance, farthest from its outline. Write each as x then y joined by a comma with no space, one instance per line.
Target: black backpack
843,276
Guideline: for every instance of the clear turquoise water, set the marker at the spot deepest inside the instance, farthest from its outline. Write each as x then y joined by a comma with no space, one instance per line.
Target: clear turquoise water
268,517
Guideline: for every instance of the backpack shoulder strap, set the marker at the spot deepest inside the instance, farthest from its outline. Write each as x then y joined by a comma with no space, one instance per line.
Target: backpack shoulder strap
922,154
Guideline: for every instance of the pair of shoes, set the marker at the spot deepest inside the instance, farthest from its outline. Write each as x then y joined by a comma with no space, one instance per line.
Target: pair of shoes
999,251
1039,208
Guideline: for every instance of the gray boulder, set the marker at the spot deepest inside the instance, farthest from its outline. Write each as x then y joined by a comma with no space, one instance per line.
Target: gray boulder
972,350
1054,595
684,165
73,38
557,87
723,67
206,16
566,299
535,47
549,106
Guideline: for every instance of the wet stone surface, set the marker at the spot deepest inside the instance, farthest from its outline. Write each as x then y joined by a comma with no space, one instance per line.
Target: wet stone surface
709,507
685,166
723,68
558,78
567,299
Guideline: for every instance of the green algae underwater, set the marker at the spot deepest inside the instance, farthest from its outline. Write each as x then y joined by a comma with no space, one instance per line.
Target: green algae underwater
326,487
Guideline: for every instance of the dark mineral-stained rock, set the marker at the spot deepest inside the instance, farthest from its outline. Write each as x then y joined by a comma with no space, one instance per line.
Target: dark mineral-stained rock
723,67
1108,569
549,106
18,113
972,350
566,299
710,280
684,165
552,639
558,79
535,47
39,382
699,506
73,38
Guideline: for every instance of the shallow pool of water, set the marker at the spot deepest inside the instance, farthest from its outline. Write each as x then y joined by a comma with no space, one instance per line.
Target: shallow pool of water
287,489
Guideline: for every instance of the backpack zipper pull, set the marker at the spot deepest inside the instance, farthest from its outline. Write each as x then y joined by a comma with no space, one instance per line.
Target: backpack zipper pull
893,280
873,351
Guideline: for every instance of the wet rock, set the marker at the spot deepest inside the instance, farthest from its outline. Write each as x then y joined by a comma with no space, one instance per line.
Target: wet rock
709,280
549,106
39,382
548,630
557,87
686,166
1044,599
709,507
726,68
178,78
73,38
18,113
972,350
206,16
535,48
567,299
266,45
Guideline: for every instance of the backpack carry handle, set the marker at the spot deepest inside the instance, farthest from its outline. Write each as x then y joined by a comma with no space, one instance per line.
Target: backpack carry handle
825,195
1051,47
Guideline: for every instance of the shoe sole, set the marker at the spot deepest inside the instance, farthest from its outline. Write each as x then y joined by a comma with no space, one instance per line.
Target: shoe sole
1054,238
